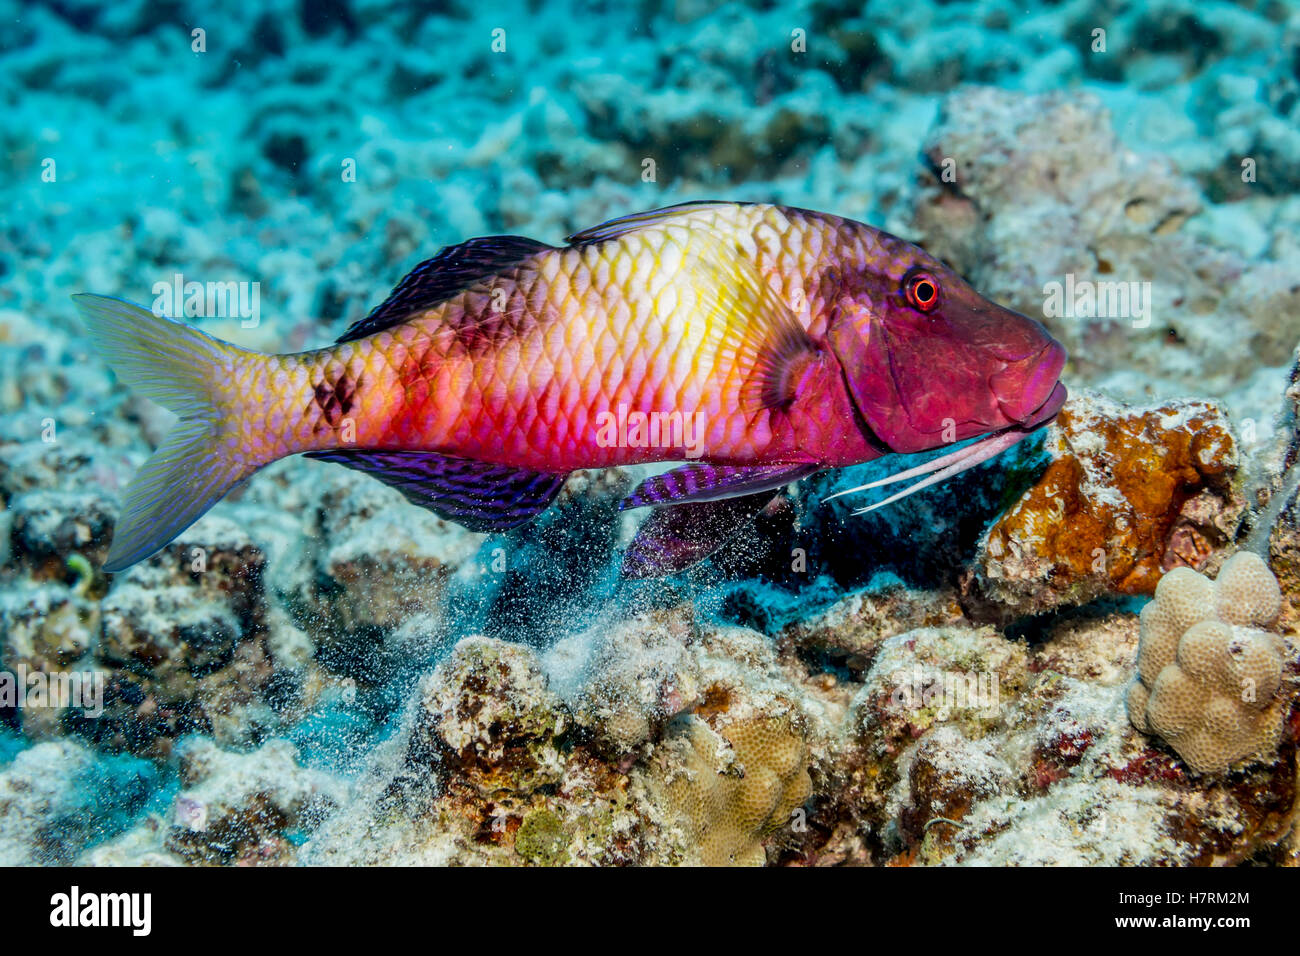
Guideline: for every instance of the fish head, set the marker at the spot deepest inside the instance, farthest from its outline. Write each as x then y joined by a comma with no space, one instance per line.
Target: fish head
928,361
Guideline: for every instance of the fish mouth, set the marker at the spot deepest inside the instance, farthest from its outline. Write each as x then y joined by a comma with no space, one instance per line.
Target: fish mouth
954,463
1024,386
1045,412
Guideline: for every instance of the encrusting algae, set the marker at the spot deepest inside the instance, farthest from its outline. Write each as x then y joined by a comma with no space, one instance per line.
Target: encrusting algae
1126,494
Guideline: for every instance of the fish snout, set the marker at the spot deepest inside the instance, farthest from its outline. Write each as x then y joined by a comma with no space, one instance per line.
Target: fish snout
1024,387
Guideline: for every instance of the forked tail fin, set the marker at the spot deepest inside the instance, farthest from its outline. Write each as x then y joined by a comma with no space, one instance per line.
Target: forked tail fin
182,369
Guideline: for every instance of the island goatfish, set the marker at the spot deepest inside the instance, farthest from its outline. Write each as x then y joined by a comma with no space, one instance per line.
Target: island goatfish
756,343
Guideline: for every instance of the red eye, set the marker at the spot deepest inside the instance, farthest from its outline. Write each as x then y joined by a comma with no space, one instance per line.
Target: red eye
923,292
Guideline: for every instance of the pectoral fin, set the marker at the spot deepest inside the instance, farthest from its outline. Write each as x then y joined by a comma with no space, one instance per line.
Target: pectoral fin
699,481
674,538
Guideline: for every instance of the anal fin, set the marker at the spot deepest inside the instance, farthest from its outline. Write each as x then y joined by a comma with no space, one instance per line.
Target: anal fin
479,495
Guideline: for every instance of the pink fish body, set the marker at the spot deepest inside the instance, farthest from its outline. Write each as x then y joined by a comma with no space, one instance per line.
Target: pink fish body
757,343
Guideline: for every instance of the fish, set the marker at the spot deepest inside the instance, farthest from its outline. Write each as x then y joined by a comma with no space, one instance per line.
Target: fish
750,344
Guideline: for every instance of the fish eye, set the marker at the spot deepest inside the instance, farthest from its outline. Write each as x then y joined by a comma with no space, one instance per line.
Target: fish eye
923,291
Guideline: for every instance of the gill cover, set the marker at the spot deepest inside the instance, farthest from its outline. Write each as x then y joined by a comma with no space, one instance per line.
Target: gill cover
908,383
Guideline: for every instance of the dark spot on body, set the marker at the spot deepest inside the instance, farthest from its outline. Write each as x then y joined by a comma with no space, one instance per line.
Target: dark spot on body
475,334
335,396
481,336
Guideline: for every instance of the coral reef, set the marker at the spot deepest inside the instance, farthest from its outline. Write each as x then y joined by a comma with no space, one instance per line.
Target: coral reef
509,756
485,770
319,673
979,751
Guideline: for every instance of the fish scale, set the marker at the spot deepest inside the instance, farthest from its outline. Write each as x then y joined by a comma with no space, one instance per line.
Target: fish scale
645,352
760,342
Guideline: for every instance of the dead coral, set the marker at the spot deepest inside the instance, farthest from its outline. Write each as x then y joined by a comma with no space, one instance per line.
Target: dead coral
850,631
488,715
638,674
496,775
238,808
186,644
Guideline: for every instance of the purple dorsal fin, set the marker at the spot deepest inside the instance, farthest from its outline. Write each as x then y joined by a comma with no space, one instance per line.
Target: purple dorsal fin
479,495
435,280
699,481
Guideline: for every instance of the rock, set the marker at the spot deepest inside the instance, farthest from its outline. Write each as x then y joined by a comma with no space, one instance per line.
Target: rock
638,675
184,647
488,716
852,629
58,797
1127,493
239,808
365,563
487,770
